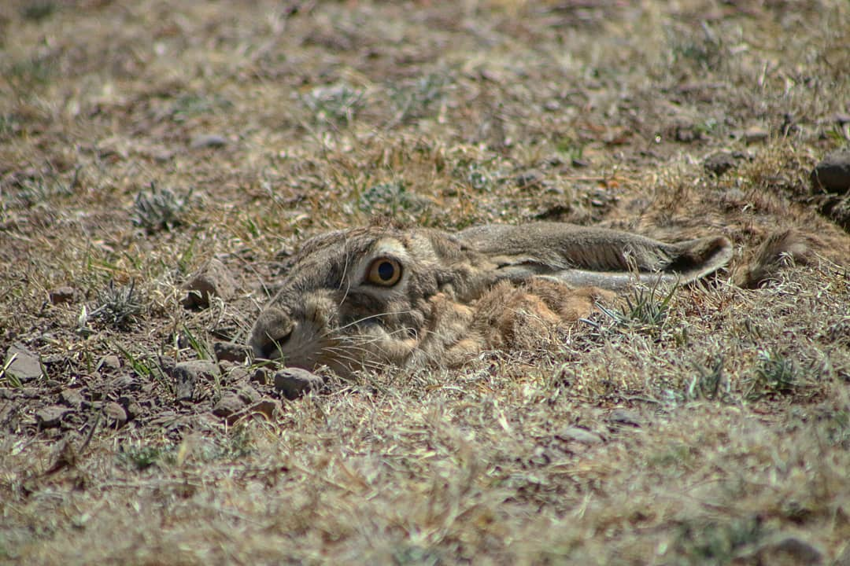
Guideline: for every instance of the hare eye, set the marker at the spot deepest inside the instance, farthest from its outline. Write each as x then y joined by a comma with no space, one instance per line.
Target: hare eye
384,271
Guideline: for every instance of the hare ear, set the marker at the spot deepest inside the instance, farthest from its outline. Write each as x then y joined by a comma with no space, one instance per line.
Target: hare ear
594,256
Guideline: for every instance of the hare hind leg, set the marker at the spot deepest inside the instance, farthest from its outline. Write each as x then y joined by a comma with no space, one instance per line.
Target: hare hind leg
522,316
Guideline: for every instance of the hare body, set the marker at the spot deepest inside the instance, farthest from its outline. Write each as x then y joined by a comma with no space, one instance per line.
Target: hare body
367,297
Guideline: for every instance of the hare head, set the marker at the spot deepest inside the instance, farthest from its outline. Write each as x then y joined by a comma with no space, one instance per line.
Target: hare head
367,297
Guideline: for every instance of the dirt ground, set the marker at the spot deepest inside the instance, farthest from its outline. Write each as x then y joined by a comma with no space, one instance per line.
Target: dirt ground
140,140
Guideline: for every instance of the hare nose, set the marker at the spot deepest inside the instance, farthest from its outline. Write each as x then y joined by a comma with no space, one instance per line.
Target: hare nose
272,329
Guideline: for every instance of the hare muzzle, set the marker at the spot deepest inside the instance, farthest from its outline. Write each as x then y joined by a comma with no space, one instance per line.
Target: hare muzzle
271,331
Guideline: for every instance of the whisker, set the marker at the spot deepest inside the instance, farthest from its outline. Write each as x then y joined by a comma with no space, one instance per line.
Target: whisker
338,354
356,345
360,320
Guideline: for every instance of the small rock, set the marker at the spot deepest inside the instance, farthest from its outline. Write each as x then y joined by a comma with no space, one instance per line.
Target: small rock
163,156
719,163
841,118
248,394
26,365
832,174
238,375
687,134
187,374
796,550
527,179
580,435
61,295
229,404
50,417
266,407
784,550
72,398
624,417
231,352
110,362
208,140
296,382
723,161
63,455
260,376
133,409
212,280
122,382
115,414
755,134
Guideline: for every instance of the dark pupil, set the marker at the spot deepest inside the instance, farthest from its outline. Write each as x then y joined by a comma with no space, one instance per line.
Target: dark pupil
386,271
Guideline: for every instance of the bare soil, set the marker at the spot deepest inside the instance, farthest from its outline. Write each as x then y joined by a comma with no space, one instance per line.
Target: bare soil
140,140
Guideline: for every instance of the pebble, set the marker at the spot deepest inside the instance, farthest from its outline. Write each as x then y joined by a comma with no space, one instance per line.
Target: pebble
25,367
115,414
723,161
267,407
296,382
109,362
841,118
755,134
784,550
62,295
187,374
527,179
624,417
72,397
134,410
832,174
687,134
579,435
249,394
50,417
123,382
208,140
260,376
212,280
229,404
236,374
231,352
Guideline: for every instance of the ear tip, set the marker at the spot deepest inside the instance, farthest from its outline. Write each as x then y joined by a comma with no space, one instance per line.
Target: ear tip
712,246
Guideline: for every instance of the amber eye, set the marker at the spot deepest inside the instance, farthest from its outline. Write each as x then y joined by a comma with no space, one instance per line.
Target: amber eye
384,271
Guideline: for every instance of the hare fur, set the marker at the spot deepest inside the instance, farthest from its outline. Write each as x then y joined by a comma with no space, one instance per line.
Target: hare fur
367,297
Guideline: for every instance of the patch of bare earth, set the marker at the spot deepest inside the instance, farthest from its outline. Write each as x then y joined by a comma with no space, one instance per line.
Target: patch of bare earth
139,141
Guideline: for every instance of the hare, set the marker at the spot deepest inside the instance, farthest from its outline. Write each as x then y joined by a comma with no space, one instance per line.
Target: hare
368,297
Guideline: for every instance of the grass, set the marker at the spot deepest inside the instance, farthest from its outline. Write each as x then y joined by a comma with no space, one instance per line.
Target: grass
118,306
158,209
721,412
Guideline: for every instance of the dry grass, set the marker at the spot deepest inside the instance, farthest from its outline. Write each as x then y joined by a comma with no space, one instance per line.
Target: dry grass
720,424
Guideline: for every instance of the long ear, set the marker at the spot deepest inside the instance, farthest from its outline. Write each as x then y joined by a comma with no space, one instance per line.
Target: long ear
594,256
